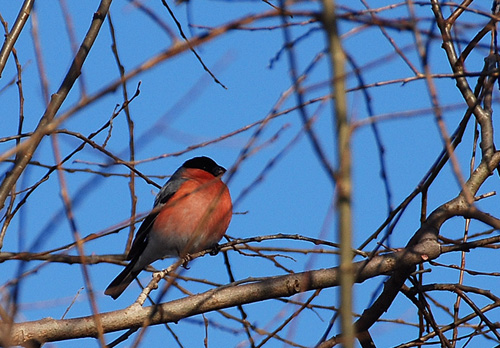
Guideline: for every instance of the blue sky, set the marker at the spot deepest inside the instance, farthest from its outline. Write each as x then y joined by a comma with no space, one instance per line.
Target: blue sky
180,105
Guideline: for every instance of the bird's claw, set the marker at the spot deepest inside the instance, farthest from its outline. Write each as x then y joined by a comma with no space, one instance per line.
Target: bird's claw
186,260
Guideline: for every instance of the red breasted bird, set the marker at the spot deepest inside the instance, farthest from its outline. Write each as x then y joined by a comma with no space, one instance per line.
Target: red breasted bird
191,213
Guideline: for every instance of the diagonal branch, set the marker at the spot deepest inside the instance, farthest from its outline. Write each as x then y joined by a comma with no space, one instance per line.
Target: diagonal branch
56,101
11,37
429,231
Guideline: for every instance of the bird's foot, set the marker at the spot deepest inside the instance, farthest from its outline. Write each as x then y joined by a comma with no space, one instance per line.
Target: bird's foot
215,249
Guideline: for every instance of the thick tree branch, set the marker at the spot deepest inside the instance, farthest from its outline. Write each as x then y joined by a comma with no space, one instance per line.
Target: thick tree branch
254,290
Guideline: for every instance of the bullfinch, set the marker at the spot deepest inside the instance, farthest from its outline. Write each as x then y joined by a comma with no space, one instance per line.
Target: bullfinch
191,213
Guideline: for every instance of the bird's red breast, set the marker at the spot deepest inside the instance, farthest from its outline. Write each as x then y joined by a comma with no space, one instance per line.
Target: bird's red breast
196,216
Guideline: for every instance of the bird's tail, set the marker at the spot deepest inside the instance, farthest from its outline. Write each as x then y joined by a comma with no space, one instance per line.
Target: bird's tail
122,280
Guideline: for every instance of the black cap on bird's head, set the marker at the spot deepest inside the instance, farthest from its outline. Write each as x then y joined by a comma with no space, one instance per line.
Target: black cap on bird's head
205,163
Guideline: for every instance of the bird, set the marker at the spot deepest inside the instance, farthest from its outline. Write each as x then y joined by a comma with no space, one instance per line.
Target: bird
191,213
